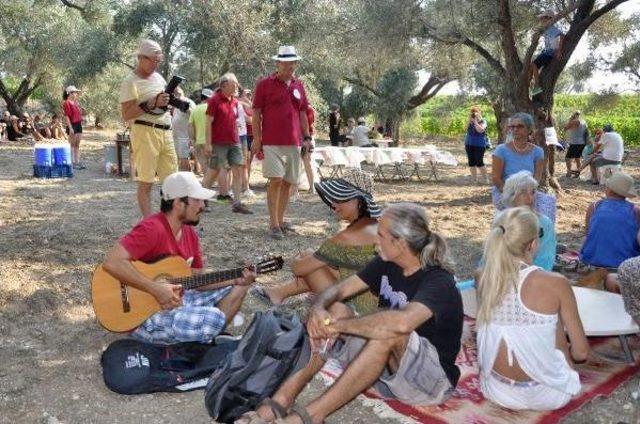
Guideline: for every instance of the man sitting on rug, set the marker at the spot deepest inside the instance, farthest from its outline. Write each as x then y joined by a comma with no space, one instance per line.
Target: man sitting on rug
407,351
612,225
197,315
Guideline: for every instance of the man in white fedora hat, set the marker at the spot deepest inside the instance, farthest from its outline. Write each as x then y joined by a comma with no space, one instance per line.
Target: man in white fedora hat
280,126
143,104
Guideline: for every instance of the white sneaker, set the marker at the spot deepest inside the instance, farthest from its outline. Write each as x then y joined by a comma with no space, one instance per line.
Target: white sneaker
248,193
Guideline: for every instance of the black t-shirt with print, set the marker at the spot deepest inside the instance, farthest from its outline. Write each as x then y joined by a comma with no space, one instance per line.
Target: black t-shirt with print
435,288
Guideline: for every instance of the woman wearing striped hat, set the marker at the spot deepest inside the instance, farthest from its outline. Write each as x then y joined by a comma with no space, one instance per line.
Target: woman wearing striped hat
343,254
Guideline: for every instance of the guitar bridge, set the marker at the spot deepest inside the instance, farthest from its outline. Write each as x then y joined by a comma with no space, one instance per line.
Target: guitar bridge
124,296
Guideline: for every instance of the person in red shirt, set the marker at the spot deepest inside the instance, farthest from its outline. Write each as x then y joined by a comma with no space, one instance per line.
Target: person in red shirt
244,100
195,315
306,156
279,127
223,142
73,115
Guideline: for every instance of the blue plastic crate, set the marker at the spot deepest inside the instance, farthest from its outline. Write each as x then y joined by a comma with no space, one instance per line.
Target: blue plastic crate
61,171
41,171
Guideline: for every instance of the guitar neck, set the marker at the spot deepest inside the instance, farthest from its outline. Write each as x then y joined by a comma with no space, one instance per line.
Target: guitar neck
200,280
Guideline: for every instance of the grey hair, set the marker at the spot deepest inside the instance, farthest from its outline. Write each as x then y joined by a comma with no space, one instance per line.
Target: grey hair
516,184
410,222
526,119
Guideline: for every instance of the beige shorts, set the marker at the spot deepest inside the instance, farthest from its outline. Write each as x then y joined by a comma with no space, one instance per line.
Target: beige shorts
281,162
419,380
153,153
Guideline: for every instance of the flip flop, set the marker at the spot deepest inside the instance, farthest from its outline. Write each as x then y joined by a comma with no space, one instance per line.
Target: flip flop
261,294
299,411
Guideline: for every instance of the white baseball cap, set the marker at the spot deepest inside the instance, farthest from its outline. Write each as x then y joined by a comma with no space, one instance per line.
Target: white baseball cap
71,89
184,184
207,92
149,48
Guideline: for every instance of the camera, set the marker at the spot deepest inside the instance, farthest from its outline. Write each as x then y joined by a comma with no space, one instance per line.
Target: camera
181,105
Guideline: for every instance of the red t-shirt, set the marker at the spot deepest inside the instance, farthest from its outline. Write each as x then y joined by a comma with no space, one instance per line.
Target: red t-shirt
281,105
311,119
72,110
152,239
224,111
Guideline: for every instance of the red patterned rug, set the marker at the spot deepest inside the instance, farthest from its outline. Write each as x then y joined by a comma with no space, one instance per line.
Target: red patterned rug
467,405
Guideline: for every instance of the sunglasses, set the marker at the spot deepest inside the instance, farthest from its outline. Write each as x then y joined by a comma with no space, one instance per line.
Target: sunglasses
541,233
516,126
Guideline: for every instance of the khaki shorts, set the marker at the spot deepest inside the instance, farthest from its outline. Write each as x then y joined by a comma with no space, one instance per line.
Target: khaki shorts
282,162
153,153
419,380
224,156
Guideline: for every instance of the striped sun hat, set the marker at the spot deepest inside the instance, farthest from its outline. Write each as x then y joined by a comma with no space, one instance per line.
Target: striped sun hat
355,184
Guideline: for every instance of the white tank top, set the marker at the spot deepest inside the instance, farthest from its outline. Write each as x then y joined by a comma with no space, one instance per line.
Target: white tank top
529,336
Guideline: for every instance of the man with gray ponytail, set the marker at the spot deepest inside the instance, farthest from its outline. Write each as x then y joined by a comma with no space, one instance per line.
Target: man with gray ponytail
407,349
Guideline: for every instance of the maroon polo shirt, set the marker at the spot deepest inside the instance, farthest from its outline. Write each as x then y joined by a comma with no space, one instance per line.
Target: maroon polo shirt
223,109
280,105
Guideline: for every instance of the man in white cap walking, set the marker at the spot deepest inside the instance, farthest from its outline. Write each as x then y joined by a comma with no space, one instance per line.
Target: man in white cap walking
195,315
280,126
143,104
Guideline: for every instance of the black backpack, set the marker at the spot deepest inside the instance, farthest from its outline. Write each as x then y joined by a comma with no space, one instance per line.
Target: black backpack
132,367
274,346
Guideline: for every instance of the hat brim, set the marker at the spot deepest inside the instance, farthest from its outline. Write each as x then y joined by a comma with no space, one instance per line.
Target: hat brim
202,194
338,191
286,59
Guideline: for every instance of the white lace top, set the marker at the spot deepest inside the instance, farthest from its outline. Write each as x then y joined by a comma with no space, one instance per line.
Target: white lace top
531,337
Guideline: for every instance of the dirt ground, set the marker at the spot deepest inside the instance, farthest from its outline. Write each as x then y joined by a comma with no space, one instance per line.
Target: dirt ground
54,232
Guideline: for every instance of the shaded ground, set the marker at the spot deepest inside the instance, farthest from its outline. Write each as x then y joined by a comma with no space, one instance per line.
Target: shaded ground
54,232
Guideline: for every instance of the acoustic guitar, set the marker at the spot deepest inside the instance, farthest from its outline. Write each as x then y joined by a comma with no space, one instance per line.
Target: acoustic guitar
121,308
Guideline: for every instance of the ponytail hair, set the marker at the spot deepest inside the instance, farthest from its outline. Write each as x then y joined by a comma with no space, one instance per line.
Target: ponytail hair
410,222
511,234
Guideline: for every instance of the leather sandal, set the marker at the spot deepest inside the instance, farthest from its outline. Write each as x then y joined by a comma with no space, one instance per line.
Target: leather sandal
300,411
252,417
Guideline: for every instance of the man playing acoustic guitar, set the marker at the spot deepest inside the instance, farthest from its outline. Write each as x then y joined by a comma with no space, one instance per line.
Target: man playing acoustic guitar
195,315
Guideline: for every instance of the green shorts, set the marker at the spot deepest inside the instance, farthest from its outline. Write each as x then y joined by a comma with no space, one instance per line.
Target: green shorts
225,156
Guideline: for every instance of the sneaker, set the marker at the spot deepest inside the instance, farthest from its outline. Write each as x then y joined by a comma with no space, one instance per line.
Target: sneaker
276,233
536,90
240,208
248,193
223,198
287,228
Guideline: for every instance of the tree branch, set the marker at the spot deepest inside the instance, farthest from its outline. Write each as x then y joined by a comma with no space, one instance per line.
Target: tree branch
604,9
507,39
429,89
360,83
72,5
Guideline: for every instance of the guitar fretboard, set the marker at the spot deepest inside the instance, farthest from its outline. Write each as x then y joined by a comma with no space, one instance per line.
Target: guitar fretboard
199,280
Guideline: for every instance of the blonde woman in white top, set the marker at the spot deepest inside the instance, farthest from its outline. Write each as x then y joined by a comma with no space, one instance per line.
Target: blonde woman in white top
524,312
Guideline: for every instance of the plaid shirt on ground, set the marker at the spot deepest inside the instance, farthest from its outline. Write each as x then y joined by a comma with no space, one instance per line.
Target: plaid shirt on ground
197,320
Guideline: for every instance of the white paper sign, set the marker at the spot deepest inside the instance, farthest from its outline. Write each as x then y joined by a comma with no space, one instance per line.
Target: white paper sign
551,136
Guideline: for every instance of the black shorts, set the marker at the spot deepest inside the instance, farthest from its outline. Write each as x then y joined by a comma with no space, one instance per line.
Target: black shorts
77,128
475,155
543,59
575,151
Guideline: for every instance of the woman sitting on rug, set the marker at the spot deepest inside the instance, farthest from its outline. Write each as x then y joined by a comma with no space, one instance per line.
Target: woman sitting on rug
343,254
612,225
523,312
520,154
520,190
